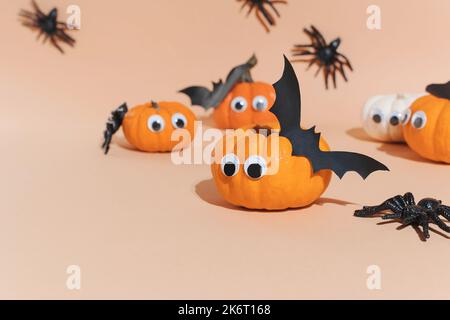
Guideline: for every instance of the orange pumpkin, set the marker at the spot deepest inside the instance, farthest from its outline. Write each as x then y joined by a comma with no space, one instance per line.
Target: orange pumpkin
238,102
259,178
149,127
247,106
427,131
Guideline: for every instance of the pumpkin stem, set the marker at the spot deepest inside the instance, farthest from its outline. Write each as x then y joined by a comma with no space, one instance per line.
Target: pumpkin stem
155,105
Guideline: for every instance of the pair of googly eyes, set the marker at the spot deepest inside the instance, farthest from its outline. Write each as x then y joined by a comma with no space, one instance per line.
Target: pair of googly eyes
239,104
255,167
157,124
395,118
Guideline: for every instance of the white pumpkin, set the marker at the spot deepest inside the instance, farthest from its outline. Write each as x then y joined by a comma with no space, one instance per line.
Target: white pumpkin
384,116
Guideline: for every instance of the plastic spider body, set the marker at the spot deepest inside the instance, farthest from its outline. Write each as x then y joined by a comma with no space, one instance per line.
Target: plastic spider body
261,10
404,207
324,54
47,25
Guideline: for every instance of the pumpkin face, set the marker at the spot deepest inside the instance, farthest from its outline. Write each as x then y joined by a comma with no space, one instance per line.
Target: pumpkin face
247,106
149,127
384,116
259,172
428,129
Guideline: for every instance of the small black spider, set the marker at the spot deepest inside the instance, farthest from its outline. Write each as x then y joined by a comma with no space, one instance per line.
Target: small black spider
324,55
47,25
405,208
113,125
259,6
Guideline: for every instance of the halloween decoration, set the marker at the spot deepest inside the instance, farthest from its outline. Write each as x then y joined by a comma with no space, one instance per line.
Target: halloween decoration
408,212
149,127
427,130
384,116
239,102
324,54
47,26
302,161
261,10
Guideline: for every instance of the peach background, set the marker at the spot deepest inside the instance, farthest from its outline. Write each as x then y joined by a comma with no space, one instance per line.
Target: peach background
141,227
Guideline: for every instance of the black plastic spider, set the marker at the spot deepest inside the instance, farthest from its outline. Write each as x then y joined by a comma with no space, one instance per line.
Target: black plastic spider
260,9
324,55
405,208
47,25
114,123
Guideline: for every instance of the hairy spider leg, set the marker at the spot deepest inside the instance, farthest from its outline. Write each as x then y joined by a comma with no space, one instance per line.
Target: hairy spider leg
445,211
272,5
261,20
55,44
65,38
319,36
346,60
438,221
395,204
37,9
392,216
326,72
317,42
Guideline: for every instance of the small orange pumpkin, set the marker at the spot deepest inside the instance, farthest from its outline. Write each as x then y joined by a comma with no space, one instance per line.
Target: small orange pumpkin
427,131
239,102
149,127
244,178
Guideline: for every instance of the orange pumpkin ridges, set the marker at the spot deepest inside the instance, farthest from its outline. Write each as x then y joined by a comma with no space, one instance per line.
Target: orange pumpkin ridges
149,127
428,129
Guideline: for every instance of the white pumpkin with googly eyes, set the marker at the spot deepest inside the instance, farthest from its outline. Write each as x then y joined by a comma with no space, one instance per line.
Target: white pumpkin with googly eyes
384,116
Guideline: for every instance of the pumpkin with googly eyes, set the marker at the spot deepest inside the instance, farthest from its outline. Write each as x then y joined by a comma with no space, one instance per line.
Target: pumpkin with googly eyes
247,106
238,102
266,177
383,116
149,127
428,130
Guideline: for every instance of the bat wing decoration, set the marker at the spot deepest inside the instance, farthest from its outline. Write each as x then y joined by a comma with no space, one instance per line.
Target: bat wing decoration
305,143
201,96
440,90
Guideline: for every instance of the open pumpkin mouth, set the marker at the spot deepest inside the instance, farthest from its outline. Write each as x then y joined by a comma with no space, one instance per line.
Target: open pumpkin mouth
265,130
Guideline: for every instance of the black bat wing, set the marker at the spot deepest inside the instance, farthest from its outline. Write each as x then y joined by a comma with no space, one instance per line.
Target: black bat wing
199,96
210,99
305,143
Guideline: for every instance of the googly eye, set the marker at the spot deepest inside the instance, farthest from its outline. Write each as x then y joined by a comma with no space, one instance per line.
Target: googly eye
406,117
179,121
239,104
395,119
255,167
419,120
155,123
230,165
377,116
260,103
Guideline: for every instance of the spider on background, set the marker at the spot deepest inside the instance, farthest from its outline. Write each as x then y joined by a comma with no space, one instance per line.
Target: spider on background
47,25
261,11
423,213
324,55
